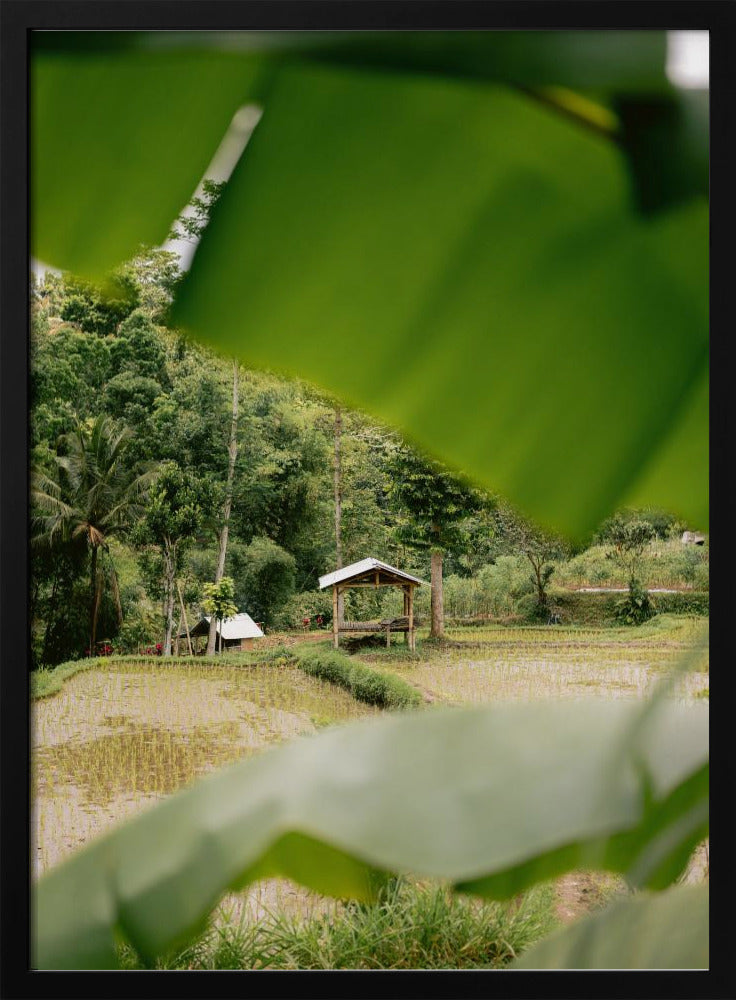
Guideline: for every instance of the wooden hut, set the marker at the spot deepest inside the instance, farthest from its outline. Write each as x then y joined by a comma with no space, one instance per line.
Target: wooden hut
373,573
238,632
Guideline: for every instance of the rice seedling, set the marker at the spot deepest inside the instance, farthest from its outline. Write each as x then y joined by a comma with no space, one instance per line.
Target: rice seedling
127,733
527,662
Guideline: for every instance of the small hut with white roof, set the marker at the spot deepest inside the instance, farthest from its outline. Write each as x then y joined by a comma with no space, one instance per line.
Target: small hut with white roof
373,573
238,632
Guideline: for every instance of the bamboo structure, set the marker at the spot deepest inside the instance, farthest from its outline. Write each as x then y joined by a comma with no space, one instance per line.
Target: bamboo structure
373,573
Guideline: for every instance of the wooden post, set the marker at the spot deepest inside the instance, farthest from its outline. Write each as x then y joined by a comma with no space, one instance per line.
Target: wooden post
388,635
335,621
184,616
407,638
412,637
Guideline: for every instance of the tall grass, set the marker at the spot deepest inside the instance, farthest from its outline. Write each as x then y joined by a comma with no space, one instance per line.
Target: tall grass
498,590
412,925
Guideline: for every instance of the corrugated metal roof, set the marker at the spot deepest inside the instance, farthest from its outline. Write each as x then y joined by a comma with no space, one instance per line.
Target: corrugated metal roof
240,626
358,568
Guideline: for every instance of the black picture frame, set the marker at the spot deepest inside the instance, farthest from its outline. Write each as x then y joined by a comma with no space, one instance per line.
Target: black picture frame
18,20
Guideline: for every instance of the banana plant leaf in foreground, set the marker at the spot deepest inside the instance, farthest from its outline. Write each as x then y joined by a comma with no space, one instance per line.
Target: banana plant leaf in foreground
663,931
431,226
147,110
492,799
493,293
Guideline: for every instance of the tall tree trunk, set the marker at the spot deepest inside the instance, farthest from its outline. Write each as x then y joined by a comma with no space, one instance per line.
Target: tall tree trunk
51,615
94,602
437,616
170,566
184,619
537,567
115,587
222,537
338,507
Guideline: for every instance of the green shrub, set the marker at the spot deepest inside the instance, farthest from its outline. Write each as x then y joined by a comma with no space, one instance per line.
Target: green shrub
636,607
687,561
363,683
575,608
601,609
701,576
530,610
307,604
493,592
663,564
661,523
590,567
688,602
140,625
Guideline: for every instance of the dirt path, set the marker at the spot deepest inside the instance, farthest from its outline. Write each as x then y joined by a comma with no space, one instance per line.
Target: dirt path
580,892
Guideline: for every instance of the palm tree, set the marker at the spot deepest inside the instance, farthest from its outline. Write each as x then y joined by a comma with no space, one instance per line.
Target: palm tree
92,493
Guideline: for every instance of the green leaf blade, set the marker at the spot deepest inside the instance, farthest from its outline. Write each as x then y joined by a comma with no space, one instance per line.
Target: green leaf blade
501,794
664,931
492,292
120,141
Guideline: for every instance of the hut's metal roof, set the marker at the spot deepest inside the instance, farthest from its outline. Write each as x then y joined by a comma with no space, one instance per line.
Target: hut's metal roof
358,569
240,626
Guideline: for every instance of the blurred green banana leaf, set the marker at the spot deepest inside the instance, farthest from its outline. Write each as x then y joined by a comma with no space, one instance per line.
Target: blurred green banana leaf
475,236
118,145
663,931
464,264
492,799
602,62
125,123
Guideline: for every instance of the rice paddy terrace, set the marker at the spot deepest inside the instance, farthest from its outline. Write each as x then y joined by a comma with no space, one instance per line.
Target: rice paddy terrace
120,736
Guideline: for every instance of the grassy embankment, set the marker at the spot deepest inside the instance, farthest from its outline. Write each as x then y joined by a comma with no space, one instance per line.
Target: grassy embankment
316,660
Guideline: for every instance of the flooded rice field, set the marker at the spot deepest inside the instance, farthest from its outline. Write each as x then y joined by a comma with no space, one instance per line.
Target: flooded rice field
115,740
477,665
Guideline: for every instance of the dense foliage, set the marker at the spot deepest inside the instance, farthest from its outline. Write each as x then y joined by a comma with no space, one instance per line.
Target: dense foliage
111,383
109,364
